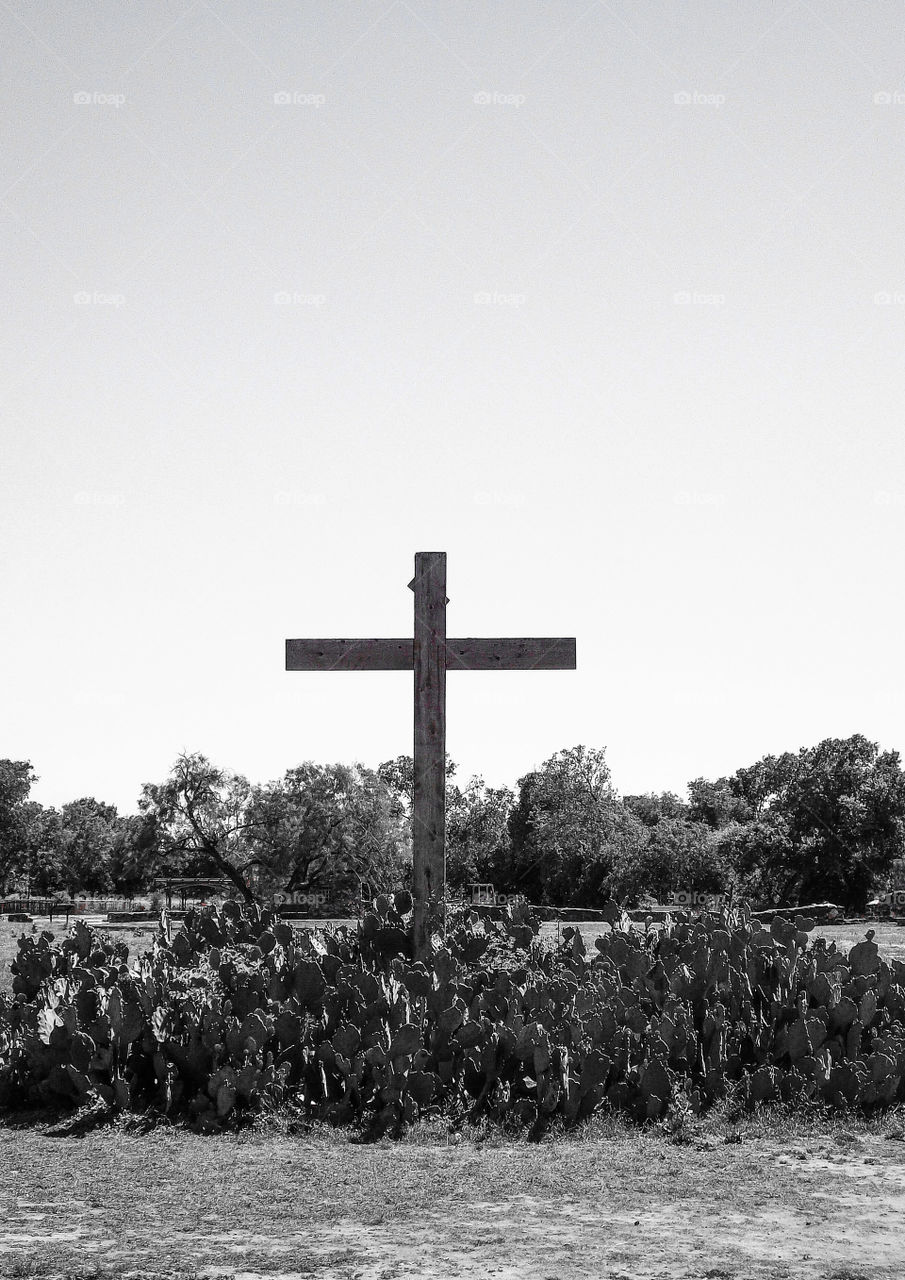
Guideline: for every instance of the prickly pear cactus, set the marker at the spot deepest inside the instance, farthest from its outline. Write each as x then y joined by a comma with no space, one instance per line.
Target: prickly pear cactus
238,1012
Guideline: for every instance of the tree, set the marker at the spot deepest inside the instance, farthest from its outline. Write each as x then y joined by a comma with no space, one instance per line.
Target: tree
16,780
845,809
136,856
825,822
87,846
569,830
525,855
676,855
43,848
477,835
399,776
717,803
652,808
85,836
763,785
200,816
756,856
328,829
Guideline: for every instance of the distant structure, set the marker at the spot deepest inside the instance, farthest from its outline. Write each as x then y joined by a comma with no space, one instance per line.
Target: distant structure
194,888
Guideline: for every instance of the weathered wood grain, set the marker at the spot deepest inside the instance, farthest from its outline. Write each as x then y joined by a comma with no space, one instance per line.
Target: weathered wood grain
349,655
429,798
542,653
473,653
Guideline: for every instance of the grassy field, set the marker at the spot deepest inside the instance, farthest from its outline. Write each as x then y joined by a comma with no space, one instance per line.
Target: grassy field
138,940
771,1200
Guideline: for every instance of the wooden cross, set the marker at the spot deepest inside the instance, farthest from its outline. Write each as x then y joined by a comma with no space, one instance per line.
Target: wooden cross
430,655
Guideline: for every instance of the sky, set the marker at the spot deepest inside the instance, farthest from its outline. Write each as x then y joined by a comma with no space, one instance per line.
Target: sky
606,300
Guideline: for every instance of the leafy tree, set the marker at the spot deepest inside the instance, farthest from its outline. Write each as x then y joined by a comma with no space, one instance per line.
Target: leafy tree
763,785
526,874
845,809
200,817
16,779
328,828
825,822
85,847
136,856
717,803
43,848
570,831
757,856
399,776
477,834
85,838
675,855
652,808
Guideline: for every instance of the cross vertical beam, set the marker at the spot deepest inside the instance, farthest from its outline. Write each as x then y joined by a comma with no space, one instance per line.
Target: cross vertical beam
429,796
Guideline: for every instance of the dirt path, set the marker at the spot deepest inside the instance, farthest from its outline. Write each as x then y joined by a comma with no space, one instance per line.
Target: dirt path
621,1206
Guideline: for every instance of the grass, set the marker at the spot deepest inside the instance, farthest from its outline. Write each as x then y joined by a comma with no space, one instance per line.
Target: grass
138,939
611,1201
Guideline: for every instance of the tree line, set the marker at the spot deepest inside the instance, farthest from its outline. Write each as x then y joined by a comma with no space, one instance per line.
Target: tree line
824,823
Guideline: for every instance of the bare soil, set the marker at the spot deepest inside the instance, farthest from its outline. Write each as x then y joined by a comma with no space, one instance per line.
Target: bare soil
789,1201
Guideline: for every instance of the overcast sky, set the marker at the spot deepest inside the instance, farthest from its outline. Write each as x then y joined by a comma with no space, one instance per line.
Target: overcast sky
606,300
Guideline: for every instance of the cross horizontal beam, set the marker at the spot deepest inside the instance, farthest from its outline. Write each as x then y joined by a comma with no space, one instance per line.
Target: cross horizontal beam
537,653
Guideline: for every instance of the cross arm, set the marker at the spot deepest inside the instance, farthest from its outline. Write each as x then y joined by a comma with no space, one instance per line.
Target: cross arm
537,653
349,655
527,653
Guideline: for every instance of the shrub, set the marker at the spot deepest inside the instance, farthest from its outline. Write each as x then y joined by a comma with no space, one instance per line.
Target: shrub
238,1012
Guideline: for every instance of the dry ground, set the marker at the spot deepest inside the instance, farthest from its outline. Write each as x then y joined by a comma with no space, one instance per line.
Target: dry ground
790,1201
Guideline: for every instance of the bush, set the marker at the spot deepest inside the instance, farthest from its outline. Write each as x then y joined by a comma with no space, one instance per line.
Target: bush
239,1013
